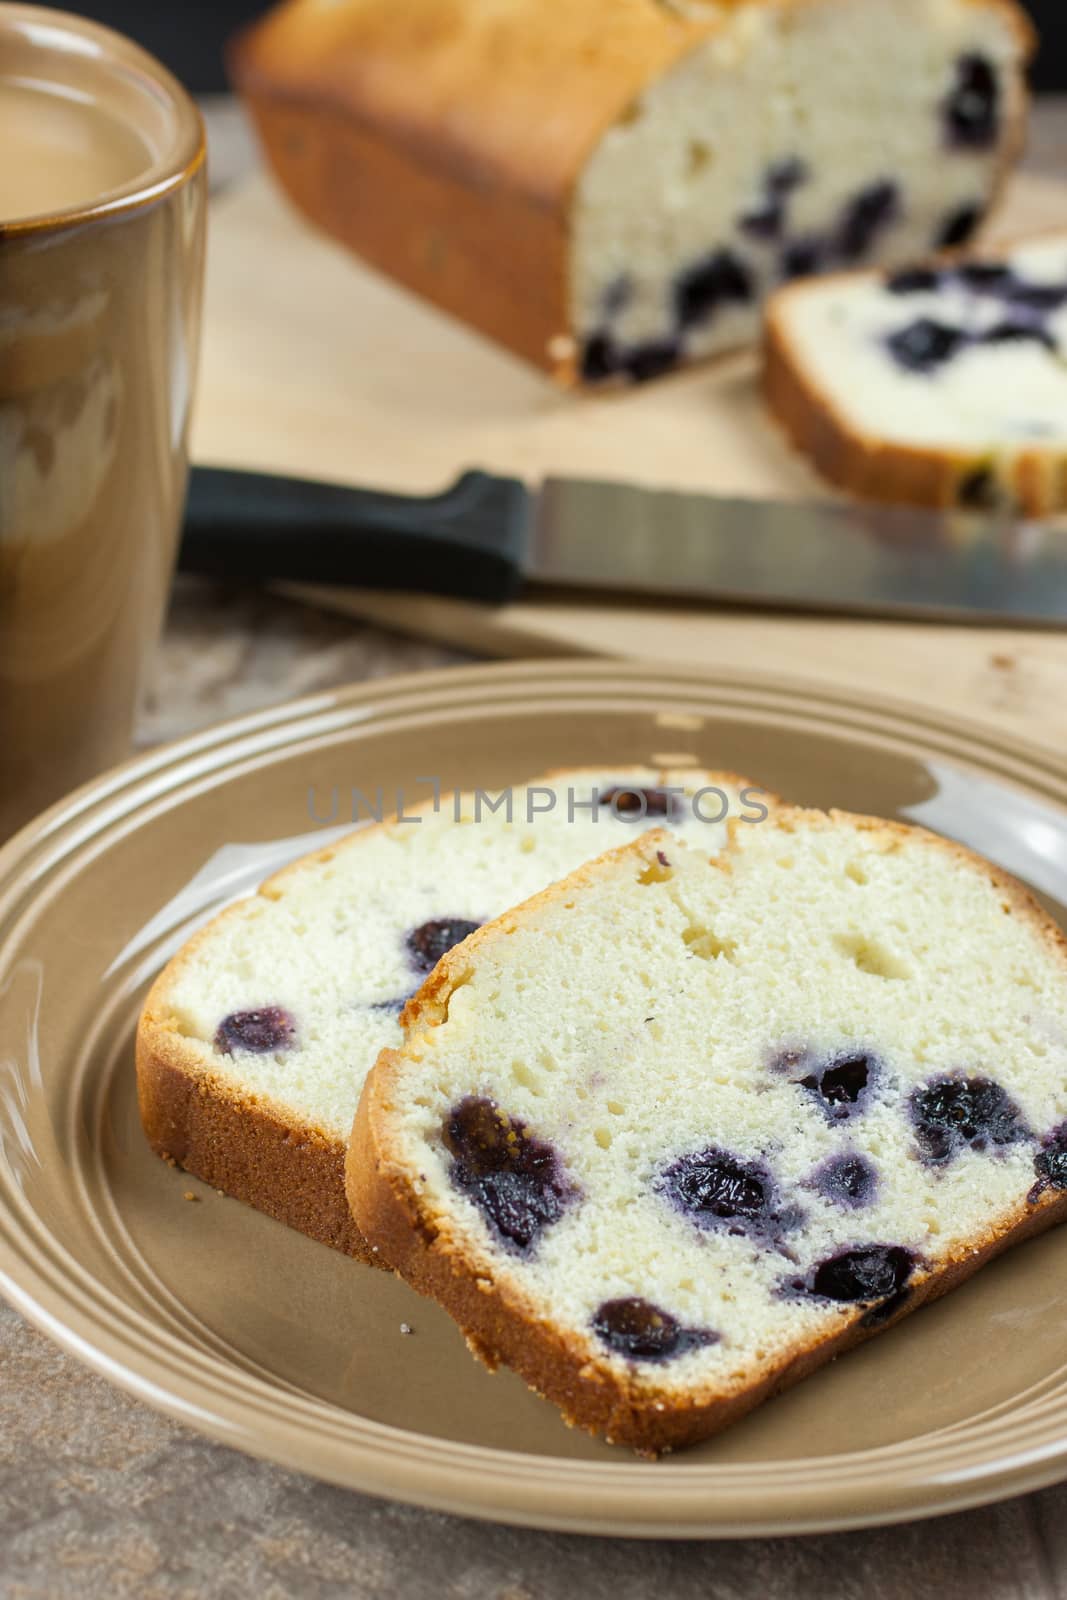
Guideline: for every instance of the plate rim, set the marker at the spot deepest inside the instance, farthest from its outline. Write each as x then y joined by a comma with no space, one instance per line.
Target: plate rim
614,1497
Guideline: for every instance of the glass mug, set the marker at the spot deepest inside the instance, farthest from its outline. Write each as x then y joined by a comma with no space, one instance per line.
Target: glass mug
102,212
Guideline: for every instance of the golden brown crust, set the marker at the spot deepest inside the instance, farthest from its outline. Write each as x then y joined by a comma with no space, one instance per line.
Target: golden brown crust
251,1147
499,1322
248,1149
374,103
441,140
442,242
877,469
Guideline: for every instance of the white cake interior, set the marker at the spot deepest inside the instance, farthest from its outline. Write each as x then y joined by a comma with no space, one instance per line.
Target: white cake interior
326,942
853,95
652,1014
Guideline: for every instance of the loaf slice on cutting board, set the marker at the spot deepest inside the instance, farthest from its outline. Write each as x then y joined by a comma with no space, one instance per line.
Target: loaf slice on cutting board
679,1130
943,384
254,1042
611,187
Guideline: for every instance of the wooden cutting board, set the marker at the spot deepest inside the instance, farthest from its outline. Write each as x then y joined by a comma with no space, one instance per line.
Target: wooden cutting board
313,364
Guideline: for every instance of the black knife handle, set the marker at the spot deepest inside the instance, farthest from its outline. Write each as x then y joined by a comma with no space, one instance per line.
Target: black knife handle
251,526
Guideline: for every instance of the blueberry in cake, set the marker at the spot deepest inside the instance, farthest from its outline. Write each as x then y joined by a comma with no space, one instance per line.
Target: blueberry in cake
943,384
254,1042
680,1129
612,187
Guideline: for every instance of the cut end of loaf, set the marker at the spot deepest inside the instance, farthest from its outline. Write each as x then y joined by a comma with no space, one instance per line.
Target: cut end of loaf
612,191
795,140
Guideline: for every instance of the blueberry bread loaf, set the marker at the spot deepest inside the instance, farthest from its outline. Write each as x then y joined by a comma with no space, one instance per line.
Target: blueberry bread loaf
611,187
941,385
254,1042
679,1130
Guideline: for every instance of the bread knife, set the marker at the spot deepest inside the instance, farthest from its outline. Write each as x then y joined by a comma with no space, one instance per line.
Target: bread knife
487,536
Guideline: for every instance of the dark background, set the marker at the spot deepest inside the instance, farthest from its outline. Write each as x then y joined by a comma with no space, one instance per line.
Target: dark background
189,36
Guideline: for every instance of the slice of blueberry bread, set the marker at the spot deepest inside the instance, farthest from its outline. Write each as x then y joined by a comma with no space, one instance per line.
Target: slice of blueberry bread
943,384
677,1131
612,188
254,1042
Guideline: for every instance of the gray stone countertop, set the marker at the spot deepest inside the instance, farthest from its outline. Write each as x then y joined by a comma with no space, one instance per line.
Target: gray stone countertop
102,1497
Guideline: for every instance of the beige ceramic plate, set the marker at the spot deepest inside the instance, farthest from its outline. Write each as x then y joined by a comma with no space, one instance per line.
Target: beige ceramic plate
277,1345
